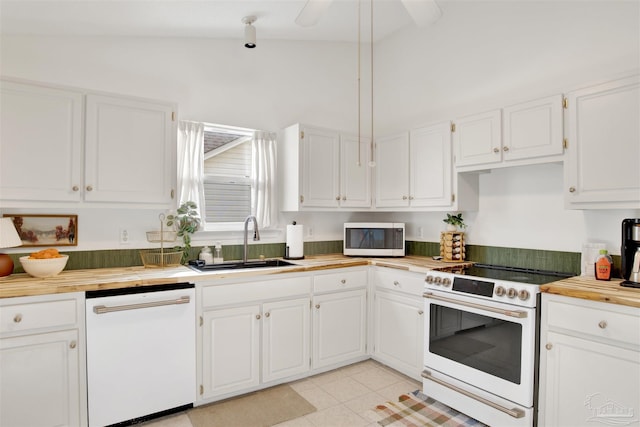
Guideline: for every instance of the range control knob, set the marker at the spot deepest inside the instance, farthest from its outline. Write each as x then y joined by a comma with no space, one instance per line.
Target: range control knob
437,280
523,295
500,291
512,293
429,279
446,282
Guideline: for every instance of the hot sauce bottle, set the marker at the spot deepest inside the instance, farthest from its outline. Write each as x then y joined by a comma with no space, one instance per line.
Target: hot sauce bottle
603,265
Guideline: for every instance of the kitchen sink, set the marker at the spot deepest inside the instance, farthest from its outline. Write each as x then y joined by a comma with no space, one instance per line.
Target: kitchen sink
238,265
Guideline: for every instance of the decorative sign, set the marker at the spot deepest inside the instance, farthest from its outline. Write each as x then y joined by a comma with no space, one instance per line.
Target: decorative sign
46,230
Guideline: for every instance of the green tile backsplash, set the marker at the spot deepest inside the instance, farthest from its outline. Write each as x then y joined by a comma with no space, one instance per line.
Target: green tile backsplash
566,262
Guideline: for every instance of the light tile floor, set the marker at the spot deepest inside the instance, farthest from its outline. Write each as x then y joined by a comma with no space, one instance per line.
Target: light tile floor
343,397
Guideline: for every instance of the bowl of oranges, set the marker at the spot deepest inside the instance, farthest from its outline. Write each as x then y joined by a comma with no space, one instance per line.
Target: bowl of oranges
44,263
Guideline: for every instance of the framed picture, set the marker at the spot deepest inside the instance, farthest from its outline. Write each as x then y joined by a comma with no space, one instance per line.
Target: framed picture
46,230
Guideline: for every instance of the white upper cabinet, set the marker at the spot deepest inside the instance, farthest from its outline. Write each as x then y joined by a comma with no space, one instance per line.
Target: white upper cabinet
319,170
521,134
477,139
130,150
128,144
414,170
602,168
392,170
532,129
40,143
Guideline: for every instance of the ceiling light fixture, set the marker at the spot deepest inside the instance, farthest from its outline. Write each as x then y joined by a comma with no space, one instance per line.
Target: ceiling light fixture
249,32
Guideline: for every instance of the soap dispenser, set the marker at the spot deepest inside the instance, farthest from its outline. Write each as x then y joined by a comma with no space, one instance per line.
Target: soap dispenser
217,257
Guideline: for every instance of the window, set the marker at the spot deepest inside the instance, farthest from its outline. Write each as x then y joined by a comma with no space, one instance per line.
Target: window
227,174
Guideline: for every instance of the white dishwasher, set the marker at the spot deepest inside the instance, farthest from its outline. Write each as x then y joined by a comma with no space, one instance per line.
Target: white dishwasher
141,352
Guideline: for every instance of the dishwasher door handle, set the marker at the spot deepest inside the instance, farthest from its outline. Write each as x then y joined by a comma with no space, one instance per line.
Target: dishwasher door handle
102,309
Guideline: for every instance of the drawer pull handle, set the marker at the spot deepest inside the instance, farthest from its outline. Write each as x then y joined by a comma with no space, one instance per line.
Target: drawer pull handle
17,318
548,346
72,344
602,324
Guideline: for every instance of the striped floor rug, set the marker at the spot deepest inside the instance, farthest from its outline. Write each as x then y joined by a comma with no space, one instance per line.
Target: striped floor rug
417,410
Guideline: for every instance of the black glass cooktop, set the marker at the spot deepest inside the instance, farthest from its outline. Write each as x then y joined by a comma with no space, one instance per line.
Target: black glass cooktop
514,274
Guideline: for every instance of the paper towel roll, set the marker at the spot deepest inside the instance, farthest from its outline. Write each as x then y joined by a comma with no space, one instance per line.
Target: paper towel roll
295,245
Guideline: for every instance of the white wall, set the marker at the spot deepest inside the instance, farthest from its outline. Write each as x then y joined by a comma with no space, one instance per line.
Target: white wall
480,55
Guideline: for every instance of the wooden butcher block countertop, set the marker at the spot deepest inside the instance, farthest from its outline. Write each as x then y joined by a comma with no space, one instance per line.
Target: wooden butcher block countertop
18,285
595,290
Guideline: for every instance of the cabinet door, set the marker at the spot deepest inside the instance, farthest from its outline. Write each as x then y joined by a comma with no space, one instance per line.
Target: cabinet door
286,330
130,151
355,173
533,129
603,150
399,327
321,168
40,143
477,139
588,382
430,165
339,327
392,171
40,381
231,350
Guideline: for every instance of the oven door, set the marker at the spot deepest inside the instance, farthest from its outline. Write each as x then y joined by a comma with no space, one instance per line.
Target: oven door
486,344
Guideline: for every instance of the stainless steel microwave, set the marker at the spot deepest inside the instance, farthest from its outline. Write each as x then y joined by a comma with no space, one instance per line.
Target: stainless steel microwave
373,239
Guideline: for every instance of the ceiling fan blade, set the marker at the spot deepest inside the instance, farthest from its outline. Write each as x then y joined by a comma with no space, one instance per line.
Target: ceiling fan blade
423,12
311,12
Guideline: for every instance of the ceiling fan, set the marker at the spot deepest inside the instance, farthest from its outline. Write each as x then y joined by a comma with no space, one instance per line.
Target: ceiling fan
423,12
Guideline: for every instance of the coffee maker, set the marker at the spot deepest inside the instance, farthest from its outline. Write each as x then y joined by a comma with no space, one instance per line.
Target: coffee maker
630,252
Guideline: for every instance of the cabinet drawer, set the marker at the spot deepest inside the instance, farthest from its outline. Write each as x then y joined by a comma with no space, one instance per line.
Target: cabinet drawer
341,280
258,290
398,280
608,321
37,315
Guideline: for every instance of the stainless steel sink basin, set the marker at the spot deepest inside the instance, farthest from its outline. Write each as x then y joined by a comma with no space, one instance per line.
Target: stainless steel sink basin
238,265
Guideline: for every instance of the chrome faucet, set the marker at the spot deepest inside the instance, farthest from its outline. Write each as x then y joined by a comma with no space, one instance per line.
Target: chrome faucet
256,234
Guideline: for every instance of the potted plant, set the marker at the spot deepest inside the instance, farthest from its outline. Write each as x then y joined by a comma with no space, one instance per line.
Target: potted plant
454,222
186,222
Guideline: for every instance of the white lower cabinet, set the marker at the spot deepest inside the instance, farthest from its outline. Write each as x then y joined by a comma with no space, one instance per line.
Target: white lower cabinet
339,327
42,374
253,333
589,363
398,320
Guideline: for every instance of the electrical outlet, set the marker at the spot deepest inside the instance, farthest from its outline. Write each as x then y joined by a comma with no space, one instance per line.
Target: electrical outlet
124,236
420,233
310,231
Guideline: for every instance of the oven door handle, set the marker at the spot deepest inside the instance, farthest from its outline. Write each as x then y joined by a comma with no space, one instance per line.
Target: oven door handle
511,313
514,412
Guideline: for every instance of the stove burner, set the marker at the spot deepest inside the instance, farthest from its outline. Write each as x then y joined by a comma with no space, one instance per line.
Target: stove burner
515,274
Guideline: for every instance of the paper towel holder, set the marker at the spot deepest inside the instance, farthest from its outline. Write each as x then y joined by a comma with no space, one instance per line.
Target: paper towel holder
286,251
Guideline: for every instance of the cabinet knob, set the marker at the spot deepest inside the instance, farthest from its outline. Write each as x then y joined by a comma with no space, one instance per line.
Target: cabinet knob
420,312
17,318
396,283
89,188
404,197
343,281
548,346
317,305
602,324
344,198
496,150
410,197
572,189
505,148
337,197
267,314
72,344
258,316
75,188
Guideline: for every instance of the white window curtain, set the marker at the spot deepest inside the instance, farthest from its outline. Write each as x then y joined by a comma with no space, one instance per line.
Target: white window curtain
264,176
190,164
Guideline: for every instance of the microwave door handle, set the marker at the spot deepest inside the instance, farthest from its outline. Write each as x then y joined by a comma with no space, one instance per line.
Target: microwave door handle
511,313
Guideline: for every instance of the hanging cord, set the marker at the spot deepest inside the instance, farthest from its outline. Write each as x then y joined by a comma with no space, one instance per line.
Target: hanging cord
359,137
372,163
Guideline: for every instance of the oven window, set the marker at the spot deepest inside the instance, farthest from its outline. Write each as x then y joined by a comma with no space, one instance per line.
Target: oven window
490,345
